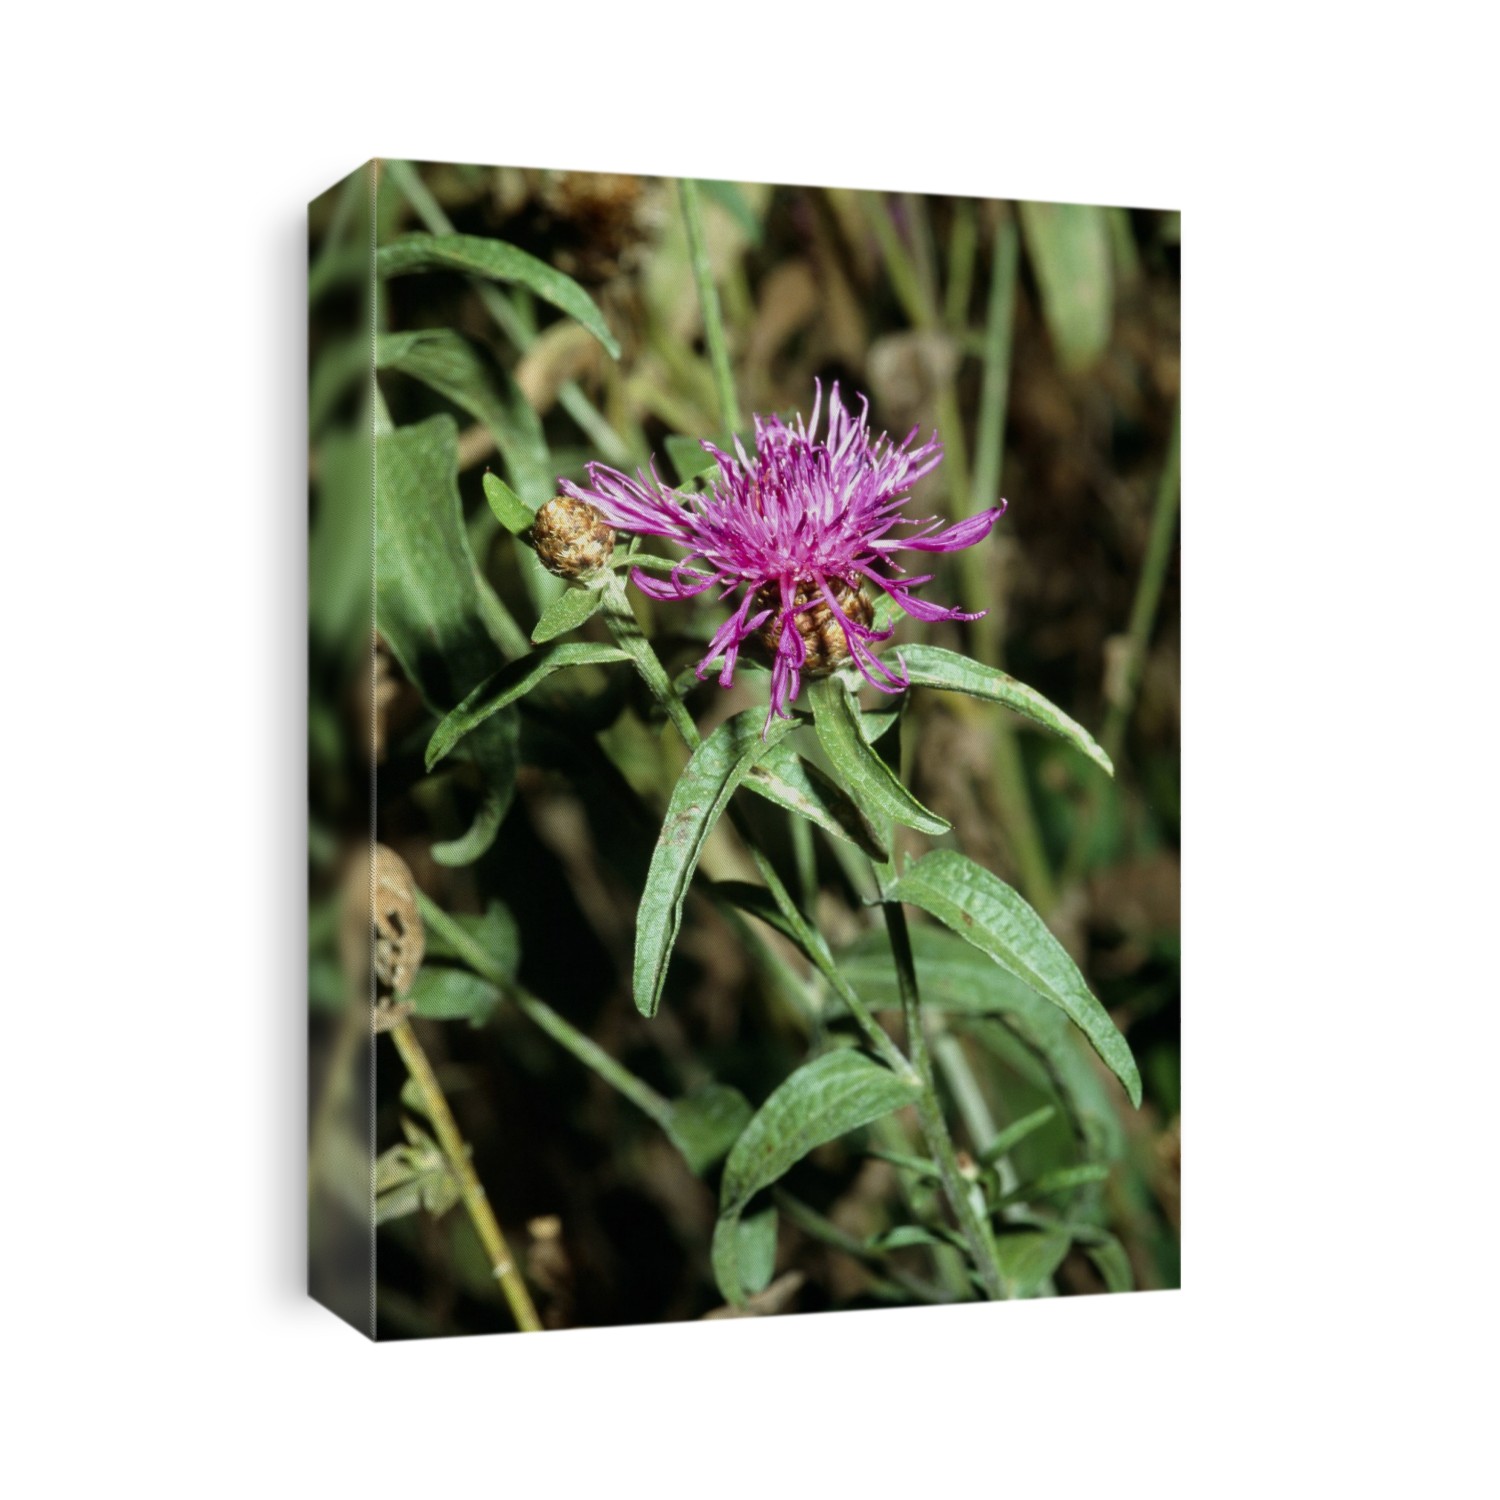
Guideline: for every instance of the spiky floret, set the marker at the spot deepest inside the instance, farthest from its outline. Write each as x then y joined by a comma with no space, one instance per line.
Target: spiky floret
796,529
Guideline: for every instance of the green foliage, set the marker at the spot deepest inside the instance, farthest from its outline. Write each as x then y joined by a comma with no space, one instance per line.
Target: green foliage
442,994
704,1125
428,605
1069,246
510,510
451,366
1029,1256
702,793
499,262
567,612
511,683
872,783
824,1099
931,666
412,1177
786,778
983,910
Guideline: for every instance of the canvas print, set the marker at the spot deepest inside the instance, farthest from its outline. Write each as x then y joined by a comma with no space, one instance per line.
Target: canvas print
743,749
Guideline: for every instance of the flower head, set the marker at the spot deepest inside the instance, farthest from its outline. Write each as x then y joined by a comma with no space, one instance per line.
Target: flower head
796,531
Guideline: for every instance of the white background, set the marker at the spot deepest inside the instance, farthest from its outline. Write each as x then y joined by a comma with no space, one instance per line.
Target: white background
1335,165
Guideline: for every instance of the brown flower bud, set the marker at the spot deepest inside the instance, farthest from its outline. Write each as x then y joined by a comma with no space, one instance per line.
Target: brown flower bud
827,645
388,935
571,538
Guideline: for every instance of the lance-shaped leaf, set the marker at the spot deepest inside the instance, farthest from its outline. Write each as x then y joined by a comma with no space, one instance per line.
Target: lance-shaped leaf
785,778
986,912
566,612
821,1101
1069,248
702,793
514,680
499,262
704,1125
510,510
444,994
428,604
931,666
1028,1257
871,782
450,364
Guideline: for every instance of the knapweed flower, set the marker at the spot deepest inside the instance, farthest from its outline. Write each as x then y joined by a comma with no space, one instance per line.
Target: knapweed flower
798,530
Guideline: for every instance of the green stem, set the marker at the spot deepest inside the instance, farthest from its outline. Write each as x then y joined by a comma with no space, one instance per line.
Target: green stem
930,1113
562,1031
1138,632
963,243
811,1222
899,265
469,1185
1148,591
708,298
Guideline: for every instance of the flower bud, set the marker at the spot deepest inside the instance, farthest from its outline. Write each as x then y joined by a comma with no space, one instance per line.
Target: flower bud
821,632
387,935
572,538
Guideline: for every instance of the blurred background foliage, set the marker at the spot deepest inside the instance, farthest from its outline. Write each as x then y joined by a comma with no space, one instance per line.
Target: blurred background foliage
1041,341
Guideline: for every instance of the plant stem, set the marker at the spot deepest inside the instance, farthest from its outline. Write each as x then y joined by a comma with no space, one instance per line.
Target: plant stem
708,299
562,1031
1138,632
457,1152
1147,591
811,1222
930,1113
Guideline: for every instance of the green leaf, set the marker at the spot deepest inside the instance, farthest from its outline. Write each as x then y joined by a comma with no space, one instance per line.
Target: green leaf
1015,1133
566,612
447,362
499,262
514,680
705,1124
871,782
510,510
702,793
1069,246
905,1236
788,780
1028,1257
986,912
428,606
412,1177
931,666
824,1099
495,932
1060,1180
1112,1263
452,995
688,457
426,598
756,1251
924,1169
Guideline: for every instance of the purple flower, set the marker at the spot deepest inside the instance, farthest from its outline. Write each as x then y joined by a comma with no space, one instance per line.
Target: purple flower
797,530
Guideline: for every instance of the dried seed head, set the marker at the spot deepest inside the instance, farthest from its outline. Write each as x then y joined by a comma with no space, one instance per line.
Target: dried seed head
827,645
388,934
572,538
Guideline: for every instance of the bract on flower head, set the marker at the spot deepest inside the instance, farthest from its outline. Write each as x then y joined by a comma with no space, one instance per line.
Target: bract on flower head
796,530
